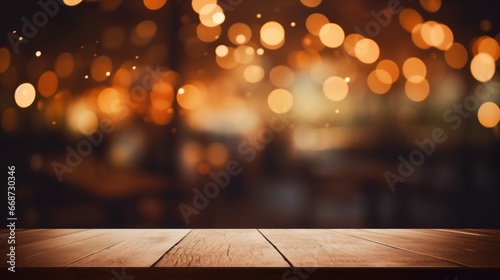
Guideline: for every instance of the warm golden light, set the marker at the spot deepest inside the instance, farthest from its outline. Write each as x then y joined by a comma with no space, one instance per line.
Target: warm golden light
272,34
199,4
190,98
379,81
409,18
414,70
281,76
315,21
146,29
331,35
4,59
417,38
483,67
253,74
217,154
367,51
25,95
107,99
211,15
335,88
162,96
280,101
99,67
244,54
350,43
47,83
431,6
208,34
448,38
417,91
456,56
72,2
311,3
489,114
239,33
390,67
87,122
154,4
221,51
490,46
230,60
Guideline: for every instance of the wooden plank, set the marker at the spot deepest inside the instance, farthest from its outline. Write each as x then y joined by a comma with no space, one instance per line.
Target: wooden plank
465,234
67,254
140,251
457,255
327,248
31,236
24,251
223,248
471,243
487,232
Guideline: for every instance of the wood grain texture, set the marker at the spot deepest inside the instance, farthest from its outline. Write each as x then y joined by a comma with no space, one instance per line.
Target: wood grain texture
271,248
327,248
456,255
67,254
142,250
27,237
24,251
448,239
223,248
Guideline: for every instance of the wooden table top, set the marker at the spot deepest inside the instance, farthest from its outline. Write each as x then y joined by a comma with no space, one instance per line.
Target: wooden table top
279,249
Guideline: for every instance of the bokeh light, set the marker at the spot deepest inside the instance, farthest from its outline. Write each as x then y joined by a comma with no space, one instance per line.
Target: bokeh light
409,18
25,95
280,101
483,67
48,83
72,2
272,35
417,91
379,81
4,59
281,76
99,67
431,6
154,4
311,3
414,70
315,21
332,35
335,88
488,114
239,33
254,74
456,56
189,97
367,51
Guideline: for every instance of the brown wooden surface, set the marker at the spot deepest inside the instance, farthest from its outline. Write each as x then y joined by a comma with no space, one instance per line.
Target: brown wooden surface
278,248
223,248
329,248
